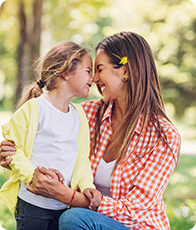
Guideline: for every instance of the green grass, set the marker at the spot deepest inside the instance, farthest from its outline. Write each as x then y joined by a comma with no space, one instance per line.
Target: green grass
7,220
180,194
179,197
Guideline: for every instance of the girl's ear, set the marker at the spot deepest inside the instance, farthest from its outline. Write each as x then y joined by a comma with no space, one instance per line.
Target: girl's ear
65,76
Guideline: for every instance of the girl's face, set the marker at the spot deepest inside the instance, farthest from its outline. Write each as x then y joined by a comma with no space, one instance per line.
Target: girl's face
109,78
81,79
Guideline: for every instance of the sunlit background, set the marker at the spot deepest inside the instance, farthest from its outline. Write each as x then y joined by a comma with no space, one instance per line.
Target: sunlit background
28,28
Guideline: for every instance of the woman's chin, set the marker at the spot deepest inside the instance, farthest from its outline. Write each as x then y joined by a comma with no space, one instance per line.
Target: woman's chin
105,99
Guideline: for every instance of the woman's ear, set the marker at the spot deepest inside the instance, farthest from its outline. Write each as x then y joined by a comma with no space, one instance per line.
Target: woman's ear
125,71
125,76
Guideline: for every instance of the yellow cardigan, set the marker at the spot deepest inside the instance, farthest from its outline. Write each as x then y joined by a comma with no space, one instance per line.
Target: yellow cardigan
22,129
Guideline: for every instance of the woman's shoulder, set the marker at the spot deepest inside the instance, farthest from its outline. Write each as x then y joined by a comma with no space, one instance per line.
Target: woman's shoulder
90,104
90,108
169,128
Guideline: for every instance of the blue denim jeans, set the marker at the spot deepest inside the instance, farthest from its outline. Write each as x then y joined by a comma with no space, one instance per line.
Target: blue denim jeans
79,218
31,217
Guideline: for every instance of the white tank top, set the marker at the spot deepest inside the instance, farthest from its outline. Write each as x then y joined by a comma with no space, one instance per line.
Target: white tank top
102,179
55,146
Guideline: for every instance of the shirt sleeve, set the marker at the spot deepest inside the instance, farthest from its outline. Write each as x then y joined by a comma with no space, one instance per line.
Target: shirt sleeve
16,130
82,176
147,187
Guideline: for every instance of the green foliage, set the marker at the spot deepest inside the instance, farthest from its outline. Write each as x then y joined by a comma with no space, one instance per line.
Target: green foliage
169,27
180,196
7,220
9,31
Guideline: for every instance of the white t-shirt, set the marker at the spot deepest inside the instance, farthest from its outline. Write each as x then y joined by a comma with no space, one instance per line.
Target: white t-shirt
102,179
55,146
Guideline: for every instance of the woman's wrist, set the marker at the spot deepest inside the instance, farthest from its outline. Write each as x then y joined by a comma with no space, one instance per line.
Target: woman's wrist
67,195
74,193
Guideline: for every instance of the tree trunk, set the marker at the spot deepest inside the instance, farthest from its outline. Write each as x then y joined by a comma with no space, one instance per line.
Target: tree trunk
35,38
21,50
29,45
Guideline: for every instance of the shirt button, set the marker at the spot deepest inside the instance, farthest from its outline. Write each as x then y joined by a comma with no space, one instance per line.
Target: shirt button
139,156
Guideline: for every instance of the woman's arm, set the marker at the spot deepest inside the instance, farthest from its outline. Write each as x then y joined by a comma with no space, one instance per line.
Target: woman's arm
143,188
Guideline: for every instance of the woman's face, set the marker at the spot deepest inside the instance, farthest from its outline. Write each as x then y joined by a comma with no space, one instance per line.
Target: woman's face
109,78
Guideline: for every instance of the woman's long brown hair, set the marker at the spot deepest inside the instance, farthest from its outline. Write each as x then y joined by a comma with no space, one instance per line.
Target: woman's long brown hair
144,93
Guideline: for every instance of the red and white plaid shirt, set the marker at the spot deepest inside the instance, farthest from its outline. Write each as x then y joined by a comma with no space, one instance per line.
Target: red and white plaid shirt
138,183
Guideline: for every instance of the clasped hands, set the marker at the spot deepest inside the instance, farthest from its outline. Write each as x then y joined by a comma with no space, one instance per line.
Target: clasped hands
50,183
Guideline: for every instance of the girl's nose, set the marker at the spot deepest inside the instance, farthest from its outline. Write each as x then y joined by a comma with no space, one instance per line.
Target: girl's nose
91,79
96,78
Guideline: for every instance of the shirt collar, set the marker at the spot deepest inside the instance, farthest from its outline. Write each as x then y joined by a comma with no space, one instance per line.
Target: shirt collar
108,114
139,125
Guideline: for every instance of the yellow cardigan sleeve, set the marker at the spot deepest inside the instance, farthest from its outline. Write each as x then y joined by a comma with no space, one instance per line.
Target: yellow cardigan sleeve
82,177
21,129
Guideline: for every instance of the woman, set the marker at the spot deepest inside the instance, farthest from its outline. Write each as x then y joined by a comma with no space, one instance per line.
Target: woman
134,146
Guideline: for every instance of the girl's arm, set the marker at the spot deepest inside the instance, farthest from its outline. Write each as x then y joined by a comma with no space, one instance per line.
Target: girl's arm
21,130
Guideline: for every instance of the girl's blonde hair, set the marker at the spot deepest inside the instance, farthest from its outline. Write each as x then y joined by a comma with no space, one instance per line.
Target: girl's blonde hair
62,58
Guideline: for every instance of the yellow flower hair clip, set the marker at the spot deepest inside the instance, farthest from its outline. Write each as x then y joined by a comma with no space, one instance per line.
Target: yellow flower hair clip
123,60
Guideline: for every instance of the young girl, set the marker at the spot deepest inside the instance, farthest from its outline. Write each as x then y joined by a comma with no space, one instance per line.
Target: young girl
50,131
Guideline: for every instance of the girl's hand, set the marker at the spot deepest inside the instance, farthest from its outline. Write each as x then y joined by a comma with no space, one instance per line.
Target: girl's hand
94,196
6,149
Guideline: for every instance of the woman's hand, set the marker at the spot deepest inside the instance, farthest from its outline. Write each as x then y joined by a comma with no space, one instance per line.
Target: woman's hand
59,175
48,183
94,196
45,182
7,149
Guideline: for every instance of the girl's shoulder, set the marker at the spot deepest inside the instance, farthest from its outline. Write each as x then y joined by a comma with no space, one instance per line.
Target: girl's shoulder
28,105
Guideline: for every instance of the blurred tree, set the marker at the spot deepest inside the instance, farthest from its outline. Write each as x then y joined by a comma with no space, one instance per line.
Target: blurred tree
170,28
29,37
77,20
168,25
21,48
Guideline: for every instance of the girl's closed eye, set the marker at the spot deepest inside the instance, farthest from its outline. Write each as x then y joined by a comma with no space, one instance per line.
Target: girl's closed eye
89,71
